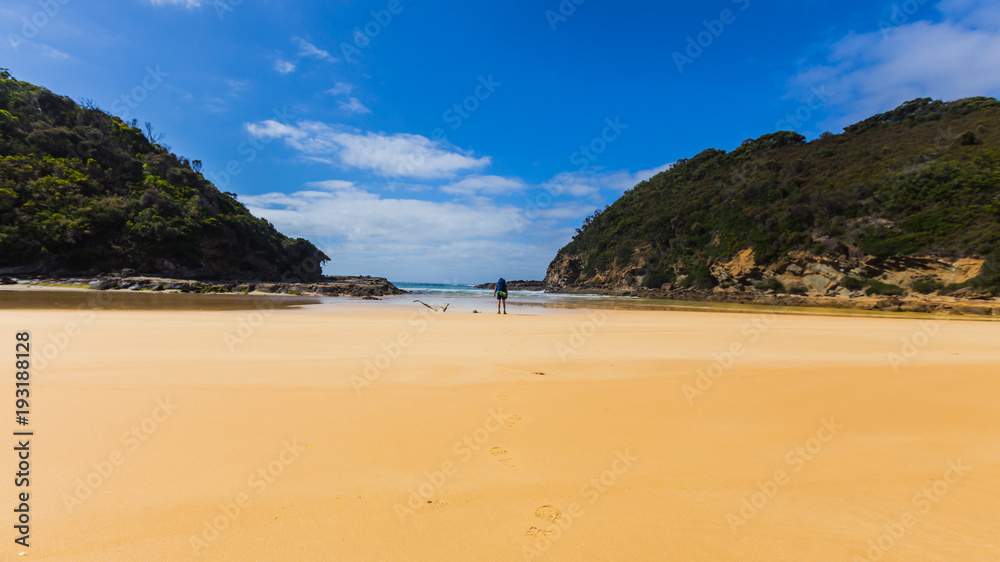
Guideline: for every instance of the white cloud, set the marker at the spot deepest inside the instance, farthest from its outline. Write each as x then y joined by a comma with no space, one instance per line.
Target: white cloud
591,184
489,185
332,185
404,239
407,238
189,4
270,129
236,87
873,72
284,66
404,155
307,49
397,155
354,106
340,88
51,52
973,13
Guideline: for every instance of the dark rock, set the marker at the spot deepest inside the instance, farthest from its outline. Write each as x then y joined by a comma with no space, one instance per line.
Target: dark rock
101,284
515,286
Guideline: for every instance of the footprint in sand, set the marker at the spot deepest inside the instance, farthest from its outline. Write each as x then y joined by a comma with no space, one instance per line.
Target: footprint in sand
538,373
511,420
548,513
503,396
538,534
499,452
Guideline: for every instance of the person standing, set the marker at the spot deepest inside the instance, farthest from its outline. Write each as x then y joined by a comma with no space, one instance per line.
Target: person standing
500,292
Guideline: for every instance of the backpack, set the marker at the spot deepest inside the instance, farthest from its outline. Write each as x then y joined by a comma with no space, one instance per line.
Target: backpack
501,286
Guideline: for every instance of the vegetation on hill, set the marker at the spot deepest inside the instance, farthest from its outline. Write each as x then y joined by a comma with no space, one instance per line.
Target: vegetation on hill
921,179
81,190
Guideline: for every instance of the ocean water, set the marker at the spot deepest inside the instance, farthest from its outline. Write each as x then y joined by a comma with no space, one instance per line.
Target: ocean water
444,290
461,290
465,296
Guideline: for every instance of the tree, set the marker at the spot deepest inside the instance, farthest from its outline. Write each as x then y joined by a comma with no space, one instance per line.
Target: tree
153,136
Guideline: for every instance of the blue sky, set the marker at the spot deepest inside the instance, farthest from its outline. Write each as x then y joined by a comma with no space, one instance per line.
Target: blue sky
458,142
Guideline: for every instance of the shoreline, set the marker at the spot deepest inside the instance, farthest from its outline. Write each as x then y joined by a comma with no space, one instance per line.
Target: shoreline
341,285
64,296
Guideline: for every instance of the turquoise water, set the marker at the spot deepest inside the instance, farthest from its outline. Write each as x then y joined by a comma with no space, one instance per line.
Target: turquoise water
461,290
465,297
444,290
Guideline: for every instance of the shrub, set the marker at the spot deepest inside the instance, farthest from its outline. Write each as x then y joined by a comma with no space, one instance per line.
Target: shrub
853,283
771,284
700,278
989,276
876,287
655,278
968,138
927,285
798,290
951,288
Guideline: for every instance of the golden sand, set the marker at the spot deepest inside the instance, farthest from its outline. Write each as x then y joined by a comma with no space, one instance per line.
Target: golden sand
389,432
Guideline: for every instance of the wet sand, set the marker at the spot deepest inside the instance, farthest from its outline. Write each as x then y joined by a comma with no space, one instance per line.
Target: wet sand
375,431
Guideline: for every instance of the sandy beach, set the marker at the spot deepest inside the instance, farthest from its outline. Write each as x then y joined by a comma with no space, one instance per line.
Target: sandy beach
385,431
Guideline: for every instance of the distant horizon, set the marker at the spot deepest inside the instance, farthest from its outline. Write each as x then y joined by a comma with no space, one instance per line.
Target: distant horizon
338,124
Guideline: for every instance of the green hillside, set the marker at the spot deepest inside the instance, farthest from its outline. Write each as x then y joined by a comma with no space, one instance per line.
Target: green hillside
83,191
923,179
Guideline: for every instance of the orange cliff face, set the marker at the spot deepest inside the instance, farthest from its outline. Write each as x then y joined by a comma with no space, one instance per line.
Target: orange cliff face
815,275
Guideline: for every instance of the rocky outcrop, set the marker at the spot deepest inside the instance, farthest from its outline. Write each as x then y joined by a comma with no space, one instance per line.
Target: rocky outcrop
336,286
564,271
852,280
741,295
515,286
